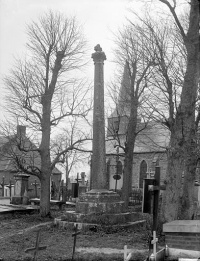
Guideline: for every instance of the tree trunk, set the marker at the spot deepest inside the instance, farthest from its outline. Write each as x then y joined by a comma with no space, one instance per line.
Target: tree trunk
127,175
45,159
178,199
45,196
129,148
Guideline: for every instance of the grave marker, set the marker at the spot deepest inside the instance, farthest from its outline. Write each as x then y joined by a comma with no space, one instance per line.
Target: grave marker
61,191
154,242
35,184
21,189
75,235
2,185
10,188
151,191
37,247
127,256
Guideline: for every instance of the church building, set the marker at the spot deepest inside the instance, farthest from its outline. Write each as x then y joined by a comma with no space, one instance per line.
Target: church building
150,145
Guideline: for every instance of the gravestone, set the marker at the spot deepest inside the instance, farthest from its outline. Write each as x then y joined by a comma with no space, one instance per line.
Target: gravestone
82,186
183,238
20,189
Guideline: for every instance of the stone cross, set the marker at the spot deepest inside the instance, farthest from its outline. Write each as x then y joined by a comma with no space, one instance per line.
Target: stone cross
98,173
35,184
83,178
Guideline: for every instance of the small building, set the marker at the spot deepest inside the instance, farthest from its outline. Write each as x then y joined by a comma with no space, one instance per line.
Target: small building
28,158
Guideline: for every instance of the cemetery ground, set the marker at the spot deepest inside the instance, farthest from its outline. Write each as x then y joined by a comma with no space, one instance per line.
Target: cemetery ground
18,233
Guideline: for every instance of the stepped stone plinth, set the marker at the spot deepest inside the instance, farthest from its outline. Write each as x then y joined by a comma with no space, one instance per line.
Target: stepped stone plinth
99,206
99,201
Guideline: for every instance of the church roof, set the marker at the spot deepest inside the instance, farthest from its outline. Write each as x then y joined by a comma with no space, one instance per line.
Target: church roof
153,138
123,102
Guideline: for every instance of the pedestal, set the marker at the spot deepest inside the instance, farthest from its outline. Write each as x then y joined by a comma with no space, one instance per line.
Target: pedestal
20,189
82,189
101,207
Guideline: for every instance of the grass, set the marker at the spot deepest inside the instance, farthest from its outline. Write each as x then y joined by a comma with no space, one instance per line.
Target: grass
15,239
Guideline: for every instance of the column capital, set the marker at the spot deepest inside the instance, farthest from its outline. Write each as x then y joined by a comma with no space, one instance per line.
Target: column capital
98,55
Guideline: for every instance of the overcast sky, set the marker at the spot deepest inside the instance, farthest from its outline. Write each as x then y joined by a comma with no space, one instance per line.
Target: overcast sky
99,19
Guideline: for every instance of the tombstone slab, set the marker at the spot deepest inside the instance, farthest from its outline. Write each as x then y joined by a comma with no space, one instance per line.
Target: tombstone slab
183,237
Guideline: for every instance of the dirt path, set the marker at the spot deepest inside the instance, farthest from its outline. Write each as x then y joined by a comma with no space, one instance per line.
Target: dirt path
7,234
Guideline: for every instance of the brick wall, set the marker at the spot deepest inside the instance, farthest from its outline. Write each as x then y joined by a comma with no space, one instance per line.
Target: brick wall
179,240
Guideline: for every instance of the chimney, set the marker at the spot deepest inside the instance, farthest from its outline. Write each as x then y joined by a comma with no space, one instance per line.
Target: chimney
21,131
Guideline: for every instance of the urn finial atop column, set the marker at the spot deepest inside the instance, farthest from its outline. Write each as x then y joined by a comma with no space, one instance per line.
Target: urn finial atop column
99,55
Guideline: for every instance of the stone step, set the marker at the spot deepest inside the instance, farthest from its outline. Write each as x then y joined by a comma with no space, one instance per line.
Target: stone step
102,219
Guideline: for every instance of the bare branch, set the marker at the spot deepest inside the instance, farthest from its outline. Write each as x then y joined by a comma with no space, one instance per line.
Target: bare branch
172,10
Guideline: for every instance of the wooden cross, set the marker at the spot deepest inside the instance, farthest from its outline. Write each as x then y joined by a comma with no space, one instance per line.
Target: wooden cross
77,178
37,247
153,242
127,256
156,188
75,235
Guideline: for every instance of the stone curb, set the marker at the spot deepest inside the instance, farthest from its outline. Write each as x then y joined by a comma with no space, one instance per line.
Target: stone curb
66,224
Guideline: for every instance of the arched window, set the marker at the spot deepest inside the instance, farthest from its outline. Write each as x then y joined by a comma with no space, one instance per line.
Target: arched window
143,173
119,167
108,167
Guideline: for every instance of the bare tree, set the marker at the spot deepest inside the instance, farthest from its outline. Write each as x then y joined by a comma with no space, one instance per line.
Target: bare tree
43,90
72,145
175,92
138,66
182,153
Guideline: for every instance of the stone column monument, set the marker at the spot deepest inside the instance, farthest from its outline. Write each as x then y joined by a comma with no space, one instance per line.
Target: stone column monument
99,199
99,205
99,178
